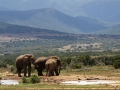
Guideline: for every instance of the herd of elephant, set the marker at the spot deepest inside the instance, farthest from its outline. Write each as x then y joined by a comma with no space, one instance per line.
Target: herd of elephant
51,64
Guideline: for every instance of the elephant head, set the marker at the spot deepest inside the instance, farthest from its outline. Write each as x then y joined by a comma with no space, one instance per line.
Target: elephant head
29,58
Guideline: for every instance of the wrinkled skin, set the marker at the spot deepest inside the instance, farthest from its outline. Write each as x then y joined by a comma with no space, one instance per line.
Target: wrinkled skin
24,61
53,65
40,65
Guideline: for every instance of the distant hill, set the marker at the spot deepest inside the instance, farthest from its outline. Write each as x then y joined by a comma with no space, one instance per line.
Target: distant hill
50,19
113,31
107,10
18,31
6,28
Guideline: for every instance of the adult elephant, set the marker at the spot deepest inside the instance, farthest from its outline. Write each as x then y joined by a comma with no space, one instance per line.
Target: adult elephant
40,64
22,62
53,65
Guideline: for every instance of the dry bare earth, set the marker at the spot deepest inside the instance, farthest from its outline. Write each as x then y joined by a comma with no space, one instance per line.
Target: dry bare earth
12,37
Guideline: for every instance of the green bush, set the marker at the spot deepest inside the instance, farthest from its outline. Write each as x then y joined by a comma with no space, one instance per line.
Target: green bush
116,64
13,69
34,79
24,80
76,66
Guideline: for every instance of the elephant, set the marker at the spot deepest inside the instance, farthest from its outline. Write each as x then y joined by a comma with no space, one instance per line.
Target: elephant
22,62
51,65
40,64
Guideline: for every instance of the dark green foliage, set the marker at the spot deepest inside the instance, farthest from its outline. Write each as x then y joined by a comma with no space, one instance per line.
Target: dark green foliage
91,62
84,59
76,66
116,64
34,79
24,80
2,64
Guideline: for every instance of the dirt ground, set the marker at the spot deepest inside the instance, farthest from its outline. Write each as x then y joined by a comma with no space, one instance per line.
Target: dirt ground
61,78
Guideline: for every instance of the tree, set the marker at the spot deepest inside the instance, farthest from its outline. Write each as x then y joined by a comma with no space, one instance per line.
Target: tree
116,64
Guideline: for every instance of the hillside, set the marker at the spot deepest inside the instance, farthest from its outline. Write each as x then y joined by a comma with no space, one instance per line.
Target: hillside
107,10
113,31
50,19
6,28
17,31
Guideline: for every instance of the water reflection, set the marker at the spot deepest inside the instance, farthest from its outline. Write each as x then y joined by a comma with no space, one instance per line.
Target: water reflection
89,82
9,82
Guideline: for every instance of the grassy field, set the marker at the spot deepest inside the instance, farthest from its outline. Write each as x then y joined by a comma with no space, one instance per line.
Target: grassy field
106,72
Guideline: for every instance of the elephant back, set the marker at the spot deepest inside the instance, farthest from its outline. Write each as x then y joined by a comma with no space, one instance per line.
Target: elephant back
54,57
49,61
41,59
40,62
18,59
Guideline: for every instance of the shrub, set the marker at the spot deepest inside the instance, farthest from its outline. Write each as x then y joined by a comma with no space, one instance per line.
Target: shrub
34,79
76,66
116,64
24,80
13,70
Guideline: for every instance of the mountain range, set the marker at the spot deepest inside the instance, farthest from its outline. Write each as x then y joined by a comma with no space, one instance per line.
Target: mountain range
107,10
50,19
71,16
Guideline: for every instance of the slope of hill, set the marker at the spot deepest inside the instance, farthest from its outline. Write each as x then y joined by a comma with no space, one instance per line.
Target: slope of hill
49,19
108,10
17,29
113,31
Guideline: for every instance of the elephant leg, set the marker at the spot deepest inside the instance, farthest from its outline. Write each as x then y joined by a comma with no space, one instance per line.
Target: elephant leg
29,71
39,72
19,72
47,73
25,68
52,73
56,72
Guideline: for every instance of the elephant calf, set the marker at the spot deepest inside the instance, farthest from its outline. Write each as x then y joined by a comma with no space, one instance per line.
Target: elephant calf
52,65
22,62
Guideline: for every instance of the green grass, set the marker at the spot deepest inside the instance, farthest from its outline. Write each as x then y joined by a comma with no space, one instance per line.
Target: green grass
57,87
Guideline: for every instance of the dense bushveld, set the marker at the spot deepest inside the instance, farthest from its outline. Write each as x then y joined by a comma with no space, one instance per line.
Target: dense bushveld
87,50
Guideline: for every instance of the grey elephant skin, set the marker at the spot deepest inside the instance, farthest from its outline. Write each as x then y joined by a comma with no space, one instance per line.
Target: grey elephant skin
53,65
40,64
24,61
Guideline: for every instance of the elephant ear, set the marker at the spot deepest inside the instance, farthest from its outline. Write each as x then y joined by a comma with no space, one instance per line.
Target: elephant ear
31,58
25,59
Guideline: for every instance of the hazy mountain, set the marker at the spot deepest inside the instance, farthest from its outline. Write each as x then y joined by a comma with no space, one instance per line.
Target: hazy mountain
50,19
107,10
113,31
18,31
6,28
